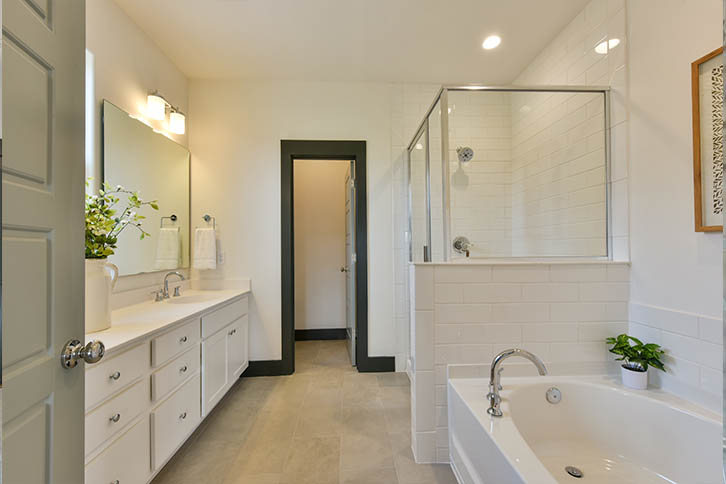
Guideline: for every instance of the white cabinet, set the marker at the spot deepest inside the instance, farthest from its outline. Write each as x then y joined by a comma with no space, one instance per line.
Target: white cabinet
237,346
125,460
142,403
224,353
214,370
173,420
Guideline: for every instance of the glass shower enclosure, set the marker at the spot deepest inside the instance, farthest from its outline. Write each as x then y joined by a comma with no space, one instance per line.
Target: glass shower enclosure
511,172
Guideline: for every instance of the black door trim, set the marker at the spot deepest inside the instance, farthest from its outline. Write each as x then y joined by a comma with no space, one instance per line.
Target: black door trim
322,150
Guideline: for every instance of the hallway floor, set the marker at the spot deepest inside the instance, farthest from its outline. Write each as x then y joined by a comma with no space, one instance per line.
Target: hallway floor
326,424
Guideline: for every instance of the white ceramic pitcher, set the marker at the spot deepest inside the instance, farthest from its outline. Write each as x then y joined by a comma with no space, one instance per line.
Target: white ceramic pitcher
101,277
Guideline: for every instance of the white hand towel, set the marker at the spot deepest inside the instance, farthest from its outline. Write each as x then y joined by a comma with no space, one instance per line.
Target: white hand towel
205,248
168,249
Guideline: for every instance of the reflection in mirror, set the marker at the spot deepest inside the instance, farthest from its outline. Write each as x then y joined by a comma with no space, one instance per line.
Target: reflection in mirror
139,159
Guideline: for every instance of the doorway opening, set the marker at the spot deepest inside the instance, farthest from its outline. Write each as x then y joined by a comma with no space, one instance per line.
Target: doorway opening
355,269
324,256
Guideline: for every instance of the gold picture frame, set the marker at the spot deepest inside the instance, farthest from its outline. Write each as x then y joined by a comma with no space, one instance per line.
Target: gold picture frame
708,204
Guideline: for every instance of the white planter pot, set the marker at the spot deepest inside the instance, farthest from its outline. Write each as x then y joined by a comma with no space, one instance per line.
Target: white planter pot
638,380
101,276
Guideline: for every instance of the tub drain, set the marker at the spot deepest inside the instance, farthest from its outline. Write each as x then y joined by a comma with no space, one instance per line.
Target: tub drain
573,471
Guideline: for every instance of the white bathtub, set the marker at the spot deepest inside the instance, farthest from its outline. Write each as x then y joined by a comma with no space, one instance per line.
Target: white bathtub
611,434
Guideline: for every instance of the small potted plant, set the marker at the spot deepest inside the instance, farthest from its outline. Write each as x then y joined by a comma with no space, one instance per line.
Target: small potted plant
637,357
104,223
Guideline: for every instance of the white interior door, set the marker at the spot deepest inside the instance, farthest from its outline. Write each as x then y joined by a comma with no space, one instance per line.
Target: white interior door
43,50
350,260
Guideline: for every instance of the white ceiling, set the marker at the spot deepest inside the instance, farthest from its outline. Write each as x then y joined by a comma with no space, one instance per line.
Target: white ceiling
354,40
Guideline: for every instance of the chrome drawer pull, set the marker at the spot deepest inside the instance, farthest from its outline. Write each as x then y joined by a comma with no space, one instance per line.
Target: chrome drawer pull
232,332
183,369
115,418
183,416
183,339
115,376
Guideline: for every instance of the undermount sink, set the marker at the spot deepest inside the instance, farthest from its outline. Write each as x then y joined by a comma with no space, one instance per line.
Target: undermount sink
192,299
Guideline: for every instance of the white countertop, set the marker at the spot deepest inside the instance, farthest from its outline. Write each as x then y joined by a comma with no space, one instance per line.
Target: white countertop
136,322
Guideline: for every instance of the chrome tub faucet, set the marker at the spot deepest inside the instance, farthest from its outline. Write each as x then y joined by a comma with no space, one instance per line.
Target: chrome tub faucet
495,375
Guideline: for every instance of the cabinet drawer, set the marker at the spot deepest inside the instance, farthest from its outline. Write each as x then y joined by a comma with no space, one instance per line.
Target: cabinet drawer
108,376
168,377
125,461
169,344
112,416
216,320
174,420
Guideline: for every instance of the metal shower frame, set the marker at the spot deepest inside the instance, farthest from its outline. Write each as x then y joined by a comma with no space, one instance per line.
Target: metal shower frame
442,97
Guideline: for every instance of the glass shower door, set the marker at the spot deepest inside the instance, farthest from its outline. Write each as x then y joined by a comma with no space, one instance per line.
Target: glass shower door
419,201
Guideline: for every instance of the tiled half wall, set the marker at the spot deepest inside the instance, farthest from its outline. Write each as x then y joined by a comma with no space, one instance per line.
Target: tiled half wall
464,314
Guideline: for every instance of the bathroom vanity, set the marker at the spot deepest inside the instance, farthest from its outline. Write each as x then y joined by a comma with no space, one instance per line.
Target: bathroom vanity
167,365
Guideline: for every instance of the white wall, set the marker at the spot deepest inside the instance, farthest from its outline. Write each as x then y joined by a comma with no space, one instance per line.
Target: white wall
236,128
127,65
677,277
320,234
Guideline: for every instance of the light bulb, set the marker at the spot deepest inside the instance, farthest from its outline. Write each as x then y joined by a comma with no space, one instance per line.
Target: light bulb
177,123
155,107
491,42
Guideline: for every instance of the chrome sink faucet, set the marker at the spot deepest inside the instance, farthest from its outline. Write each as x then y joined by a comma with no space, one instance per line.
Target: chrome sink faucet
495,376
165,292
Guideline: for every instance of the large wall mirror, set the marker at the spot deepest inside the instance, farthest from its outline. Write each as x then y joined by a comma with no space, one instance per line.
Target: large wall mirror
140,159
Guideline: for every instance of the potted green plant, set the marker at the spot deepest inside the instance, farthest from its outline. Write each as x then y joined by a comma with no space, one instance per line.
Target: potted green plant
104,224
637,357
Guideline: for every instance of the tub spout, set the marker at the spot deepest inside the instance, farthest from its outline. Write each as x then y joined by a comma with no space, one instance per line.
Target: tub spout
495,375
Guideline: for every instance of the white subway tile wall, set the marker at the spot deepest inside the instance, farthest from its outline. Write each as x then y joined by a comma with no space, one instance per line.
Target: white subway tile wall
694,351
571,178
469,312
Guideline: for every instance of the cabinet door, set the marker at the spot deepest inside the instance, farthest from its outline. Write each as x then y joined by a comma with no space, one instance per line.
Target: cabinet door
237,347
214,370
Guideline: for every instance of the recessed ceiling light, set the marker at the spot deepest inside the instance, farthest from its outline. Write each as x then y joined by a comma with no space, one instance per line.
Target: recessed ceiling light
491,42
606,45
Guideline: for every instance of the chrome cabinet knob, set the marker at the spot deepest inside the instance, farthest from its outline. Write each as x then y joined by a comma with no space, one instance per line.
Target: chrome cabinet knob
74,350
115,418
115,375
344,269
183,369
183,416
116,482
183,339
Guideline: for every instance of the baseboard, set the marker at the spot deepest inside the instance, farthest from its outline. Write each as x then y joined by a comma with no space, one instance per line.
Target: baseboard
266,368
376,364
320,334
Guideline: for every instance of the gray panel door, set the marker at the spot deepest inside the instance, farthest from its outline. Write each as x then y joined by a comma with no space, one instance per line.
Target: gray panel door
350,260
43,52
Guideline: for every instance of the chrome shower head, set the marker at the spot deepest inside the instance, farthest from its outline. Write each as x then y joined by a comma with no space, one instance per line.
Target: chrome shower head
464,153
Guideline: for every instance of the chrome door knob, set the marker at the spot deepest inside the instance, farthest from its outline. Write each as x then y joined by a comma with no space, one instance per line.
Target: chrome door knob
74,350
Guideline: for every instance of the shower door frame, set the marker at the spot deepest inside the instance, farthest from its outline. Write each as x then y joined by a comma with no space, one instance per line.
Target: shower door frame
442,98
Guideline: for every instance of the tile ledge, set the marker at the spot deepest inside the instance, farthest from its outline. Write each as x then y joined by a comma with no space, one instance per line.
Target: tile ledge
524,262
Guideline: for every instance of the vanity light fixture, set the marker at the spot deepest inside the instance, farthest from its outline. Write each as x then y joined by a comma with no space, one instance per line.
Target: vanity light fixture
606,45
491,42
156,106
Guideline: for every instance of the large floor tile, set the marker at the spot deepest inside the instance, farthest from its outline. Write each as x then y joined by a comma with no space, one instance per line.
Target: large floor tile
325,424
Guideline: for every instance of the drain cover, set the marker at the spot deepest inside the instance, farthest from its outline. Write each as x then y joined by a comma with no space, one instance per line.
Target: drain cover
573,471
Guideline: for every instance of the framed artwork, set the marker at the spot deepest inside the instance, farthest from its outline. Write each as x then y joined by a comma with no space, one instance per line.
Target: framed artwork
707,87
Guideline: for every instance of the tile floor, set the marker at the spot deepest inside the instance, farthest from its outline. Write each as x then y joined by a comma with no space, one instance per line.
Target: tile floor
326,424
